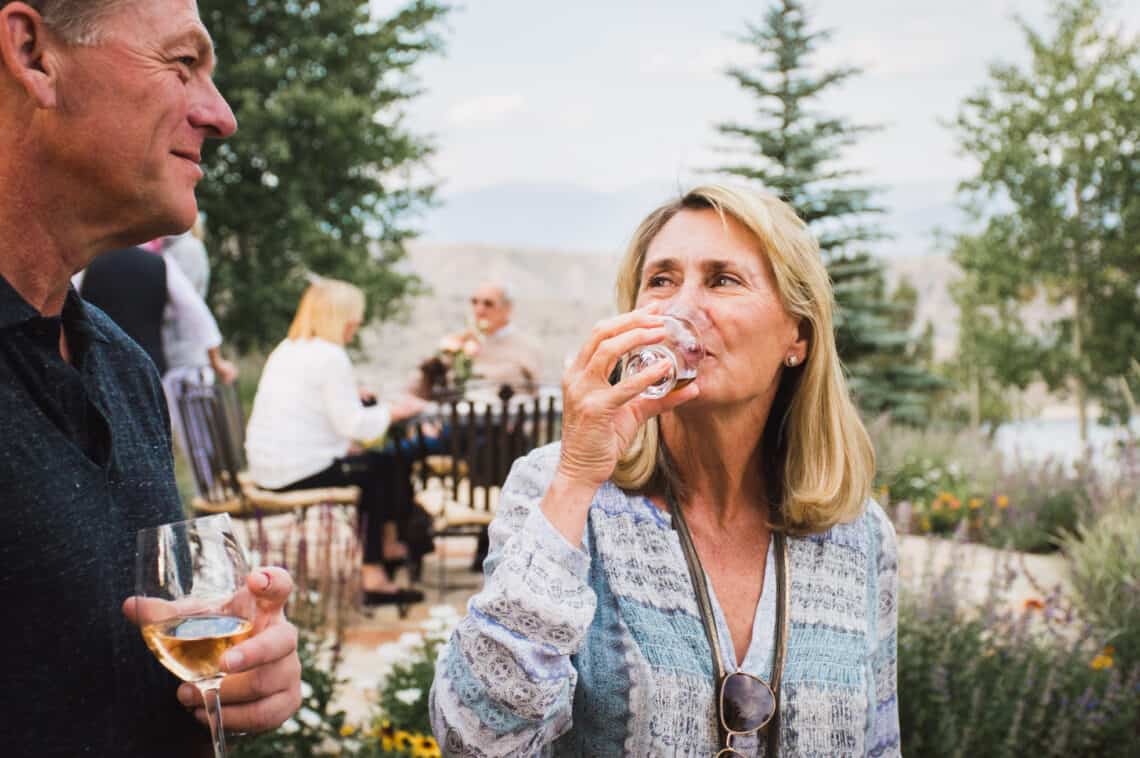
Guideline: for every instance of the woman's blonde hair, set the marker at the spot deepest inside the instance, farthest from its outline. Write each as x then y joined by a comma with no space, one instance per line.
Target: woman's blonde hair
326,308
819,461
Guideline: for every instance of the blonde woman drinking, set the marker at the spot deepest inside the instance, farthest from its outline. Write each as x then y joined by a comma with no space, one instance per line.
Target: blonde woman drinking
702,573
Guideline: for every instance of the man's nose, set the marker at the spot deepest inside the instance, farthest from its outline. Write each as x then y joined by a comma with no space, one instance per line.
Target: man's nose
213,113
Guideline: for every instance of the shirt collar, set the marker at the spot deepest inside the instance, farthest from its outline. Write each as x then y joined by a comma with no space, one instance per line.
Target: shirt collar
15,310
504,332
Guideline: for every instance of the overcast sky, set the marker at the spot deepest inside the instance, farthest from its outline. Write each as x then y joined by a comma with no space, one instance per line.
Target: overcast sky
612,94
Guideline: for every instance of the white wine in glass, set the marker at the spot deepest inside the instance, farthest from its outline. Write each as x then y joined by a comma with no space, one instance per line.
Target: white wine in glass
193,603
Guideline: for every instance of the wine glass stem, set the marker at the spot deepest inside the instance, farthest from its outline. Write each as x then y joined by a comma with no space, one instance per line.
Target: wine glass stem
211,693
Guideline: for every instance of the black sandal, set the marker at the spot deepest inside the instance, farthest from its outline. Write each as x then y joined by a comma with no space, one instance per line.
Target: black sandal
401,598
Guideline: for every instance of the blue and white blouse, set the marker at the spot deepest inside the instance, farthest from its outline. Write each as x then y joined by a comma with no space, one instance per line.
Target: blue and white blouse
600,651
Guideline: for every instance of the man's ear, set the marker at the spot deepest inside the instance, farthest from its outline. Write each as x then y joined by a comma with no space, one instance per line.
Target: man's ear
24,53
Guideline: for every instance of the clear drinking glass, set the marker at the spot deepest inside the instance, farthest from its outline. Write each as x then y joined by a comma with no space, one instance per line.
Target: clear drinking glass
193,603
682,348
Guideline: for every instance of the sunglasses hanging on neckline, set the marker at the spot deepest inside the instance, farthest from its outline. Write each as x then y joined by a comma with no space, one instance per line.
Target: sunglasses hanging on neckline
745,704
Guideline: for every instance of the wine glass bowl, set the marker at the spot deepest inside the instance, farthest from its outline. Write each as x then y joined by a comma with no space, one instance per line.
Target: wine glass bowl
682,349
192,603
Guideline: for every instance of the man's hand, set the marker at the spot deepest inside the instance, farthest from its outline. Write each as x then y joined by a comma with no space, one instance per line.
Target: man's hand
262,687
226,372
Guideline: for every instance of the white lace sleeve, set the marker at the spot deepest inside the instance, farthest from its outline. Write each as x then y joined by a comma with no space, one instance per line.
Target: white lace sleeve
504,685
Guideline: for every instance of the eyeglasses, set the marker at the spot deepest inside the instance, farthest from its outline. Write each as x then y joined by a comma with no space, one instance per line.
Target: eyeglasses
746,705
486,302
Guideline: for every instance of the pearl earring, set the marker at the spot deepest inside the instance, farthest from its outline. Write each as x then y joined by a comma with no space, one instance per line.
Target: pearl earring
792,361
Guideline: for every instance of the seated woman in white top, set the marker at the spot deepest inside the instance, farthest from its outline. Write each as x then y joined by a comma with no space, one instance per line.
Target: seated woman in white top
308,417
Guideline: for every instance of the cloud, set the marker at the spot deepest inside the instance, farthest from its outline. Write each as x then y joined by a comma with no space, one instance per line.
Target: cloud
485,110
676,60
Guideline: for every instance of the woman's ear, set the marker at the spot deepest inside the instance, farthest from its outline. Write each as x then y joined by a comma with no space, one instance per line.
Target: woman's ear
802,343
26,53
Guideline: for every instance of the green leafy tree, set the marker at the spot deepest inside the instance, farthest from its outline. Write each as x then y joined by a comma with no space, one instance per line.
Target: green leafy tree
794,150
317,177
995,351
1057,194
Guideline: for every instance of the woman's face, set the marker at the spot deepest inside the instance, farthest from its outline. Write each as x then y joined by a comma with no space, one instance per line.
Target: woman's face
718,271
350,328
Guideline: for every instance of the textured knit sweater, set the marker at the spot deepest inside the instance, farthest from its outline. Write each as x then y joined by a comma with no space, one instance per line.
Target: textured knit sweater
600,651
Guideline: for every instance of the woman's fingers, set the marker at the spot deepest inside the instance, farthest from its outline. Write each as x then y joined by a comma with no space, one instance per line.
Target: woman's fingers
610,327
629,388
610,350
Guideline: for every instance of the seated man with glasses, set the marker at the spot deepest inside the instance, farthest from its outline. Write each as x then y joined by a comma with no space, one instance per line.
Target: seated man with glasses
497,353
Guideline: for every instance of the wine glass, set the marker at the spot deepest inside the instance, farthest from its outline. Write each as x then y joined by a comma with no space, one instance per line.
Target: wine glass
682,348
193,603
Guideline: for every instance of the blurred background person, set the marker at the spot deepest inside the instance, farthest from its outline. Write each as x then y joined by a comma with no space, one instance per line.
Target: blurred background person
310,419
141,291
498,353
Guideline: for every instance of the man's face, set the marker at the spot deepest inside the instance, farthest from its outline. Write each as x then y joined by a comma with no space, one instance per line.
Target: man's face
491,311
133,112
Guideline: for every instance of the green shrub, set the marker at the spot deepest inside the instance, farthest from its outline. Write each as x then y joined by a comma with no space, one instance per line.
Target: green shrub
1104,566
1000,684
1045,501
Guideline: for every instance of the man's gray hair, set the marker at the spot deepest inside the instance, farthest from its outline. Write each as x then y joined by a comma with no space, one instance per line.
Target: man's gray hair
76,21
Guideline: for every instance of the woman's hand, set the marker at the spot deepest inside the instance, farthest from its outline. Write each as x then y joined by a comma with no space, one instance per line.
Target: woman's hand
599,420
405,407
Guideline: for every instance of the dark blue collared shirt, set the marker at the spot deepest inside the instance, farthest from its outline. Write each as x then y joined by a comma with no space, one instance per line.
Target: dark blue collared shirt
85,463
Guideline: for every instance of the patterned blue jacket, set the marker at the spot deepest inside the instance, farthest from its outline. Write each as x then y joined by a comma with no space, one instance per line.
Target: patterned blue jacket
600,651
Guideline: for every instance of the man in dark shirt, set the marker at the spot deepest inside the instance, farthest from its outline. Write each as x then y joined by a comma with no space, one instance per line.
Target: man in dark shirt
104,106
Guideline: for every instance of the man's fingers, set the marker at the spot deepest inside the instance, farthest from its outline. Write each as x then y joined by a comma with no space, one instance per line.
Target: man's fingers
271,587
258,716
273,643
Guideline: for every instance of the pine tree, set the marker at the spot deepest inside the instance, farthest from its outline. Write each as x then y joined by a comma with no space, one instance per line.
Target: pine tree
794,151
316,178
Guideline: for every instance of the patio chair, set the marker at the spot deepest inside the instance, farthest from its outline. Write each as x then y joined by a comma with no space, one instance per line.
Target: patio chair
215,435
460,486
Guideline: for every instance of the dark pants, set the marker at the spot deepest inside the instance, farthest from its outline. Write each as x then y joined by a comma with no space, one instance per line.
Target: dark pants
384,479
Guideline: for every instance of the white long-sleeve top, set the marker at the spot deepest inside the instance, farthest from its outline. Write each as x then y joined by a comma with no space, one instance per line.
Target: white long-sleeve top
306,413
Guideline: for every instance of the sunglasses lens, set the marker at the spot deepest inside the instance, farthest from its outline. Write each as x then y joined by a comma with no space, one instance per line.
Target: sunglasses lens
746,703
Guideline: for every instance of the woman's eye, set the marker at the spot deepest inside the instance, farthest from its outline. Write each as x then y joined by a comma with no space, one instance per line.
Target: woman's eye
658,281
723,280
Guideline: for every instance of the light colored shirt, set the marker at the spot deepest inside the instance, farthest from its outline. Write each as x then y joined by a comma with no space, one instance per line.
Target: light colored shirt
178,343
600,650
306,413
184,305
507,357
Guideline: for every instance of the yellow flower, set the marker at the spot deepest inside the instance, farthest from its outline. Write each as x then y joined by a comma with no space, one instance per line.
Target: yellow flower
403,740
426,748
386,743
347,730
1101,662
1002,502
975,503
